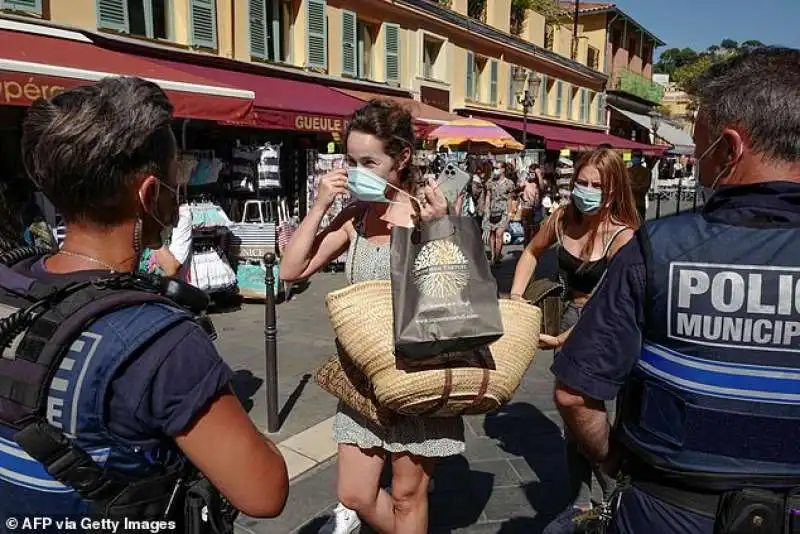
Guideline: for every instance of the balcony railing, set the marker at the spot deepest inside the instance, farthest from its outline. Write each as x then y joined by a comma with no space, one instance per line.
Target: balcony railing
629,82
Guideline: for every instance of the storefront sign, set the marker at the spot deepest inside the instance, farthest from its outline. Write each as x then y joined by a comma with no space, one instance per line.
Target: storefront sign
315,123
438,98
21,89
627,156
564,152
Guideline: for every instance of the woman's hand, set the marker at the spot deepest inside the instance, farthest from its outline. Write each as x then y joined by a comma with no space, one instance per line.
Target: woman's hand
433,205
330,186
553,342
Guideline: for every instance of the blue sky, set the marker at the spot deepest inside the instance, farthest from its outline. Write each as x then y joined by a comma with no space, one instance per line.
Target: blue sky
700,23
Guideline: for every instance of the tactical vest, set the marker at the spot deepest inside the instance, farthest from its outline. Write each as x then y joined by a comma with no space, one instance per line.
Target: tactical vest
714,400
62,348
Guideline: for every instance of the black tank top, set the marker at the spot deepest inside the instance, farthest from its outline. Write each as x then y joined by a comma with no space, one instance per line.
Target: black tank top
580,276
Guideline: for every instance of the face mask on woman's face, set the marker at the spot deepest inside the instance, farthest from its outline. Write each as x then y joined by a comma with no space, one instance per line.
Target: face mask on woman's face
586,199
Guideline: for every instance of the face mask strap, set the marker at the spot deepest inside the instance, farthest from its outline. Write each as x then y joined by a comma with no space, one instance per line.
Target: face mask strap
412,197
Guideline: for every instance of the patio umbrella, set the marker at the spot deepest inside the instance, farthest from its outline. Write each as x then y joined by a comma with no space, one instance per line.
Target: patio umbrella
475,135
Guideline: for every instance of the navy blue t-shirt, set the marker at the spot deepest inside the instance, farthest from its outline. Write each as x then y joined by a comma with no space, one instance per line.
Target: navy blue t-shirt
168,385
605,344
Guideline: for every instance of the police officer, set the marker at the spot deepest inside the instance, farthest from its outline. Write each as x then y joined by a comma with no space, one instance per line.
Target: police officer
697,327
142,392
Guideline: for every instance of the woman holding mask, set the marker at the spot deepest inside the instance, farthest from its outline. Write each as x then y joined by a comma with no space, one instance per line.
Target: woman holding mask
600,218
380,141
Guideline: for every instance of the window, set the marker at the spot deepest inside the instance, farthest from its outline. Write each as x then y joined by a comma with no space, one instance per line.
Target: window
25,6
480,71
559,93
151,19
601,109
431,54
584,112
266,21
573,92
366,42
544,95
317,34
493,66
593,58
391,38
469,90
631,49
203,23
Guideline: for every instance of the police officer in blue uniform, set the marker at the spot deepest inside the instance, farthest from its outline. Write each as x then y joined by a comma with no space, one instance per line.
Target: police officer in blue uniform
696,327
113,399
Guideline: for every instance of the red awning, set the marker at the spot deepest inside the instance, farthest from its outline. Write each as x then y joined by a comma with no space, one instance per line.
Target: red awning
577,139
34,66
284,104
426,117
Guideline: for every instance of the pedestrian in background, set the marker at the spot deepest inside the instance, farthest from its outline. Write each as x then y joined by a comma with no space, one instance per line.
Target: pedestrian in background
707,432
498,207
380,143
640,179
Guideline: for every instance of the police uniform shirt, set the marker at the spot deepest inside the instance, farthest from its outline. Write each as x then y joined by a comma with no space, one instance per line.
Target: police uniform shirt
166,388
605,344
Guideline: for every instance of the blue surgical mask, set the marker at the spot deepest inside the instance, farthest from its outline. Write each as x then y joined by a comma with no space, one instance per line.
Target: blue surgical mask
367,186
586,199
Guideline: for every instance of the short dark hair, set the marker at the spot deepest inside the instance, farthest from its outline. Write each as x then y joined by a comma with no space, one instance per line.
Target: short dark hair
757,90
390,122
604,145
86,146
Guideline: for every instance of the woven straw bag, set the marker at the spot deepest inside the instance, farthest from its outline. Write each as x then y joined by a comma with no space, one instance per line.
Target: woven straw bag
339,377
361,315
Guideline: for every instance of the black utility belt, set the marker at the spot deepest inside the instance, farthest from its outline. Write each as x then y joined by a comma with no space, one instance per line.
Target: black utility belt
743,511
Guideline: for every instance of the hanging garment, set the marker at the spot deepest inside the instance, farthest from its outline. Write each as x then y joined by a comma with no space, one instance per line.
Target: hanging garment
269,168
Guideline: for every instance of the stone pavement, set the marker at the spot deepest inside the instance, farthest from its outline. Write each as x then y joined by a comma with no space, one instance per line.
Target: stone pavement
510,479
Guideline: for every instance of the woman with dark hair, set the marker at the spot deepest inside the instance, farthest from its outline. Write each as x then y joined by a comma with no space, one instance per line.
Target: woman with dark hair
105,155
380,143
599,219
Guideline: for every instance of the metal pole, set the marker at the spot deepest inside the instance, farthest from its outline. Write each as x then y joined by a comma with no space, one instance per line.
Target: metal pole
658,205
271,345
575,31
680,193
694,200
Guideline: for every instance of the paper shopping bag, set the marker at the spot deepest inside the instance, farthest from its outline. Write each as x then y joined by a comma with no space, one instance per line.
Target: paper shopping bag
444,296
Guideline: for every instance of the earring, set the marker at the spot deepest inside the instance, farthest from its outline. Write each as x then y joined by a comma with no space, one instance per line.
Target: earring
137,236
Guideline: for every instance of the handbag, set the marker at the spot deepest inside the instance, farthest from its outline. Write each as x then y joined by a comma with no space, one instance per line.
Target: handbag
548,296
342,379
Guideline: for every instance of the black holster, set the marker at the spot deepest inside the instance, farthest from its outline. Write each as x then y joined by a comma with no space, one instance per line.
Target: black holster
758,511
206,511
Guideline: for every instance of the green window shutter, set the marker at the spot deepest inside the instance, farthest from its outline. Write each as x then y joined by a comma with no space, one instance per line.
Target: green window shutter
559,95
570,102
28,6
203,23
470,76
258,29
543,95
392,61
317,33
512,98
601,109
349,43
112,15
493,82
584,96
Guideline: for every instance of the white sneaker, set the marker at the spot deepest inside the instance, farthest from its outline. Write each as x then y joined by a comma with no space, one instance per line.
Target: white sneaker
343,521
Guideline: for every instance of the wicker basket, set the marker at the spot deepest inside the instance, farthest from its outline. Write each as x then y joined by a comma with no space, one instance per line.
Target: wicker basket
361,315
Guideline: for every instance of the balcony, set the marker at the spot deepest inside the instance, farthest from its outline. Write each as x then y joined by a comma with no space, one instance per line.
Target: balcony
637,85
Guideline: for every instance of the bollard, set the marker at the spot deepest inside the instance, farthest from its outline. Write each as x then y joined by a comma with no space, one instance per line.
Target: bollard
271,345
680,194
658,205
694,201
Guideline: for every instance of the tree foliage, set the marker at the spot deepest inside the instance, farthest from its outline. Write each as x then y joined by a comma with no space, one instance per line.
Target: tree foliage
476,9
685,65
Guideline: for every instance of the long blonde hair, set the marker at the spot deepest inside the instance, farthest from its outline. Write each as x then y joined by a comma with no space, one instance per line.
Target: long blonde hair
618,205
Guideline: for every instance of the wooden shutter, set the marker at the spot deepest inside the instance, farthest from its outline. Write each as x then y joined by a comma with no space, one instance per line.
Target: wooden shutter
493,82
259,33
28,6
559,95
392,58
349,43
203,23
584,95
512,98
543,103
112,15
601,109
570,104
470,76
317,33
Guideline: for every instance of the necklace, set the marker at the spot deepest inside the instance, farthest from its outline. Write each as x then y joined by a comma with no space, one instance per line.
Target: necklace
108,266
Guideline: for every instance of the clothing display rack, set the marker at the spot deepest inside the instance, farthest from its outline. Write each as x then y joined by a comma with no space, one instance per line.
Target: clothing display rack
318,165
